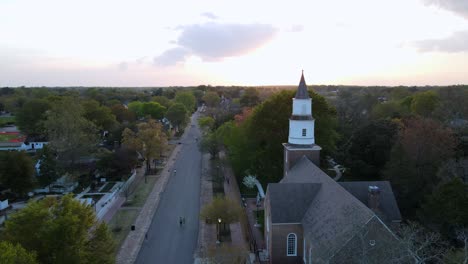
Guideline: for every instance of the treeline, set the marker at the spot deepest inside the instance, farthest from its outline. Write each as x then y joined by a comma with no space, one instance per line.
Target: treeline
415,137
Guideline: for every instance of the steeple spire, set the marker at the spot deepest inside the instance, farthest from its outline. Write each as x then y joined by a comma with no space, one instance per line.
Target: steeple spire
302,89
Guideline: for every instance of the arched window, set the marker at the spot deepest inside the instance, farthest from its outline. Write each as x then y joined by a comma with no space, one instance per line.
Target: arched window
291,248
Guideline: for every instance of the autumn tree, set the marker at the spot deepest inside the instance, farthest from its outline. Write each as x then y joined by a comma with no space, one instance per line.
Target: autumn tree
17,171
421,147
225,254
61,231
13,254
122,114
150,140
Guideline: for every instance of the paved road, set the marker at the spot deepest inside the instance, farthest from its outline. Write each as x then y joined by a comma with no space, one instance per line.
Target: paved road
167,242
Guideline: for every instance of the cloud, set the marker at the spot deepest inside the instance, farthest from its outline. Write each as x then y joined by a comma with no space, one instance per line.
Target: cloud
214,41
296,28
209,15
457,42
123,66
459,7
171,57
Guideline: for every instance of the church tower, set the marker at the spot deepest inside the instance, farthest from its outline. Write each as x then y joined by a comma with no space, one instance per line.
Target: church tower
301,140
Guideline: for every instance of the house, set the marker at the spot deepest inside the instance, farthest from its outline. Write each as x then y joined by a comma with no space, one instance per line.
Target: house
16,141
310,218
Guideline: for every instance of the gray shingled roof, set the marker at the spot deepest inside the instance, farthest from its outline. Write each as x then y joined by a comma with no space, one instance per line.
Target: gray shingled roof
302,92
290,201
388,205
333,216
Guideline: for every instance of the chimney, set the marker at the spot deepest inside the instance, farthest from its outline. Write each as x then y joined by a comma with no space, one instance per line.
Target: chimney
373,197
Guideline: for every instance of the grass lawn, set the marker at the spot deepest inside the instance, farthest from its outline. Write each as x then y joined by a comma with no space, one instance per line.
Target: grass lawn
120,224
139,196
122,221
5,120
7,137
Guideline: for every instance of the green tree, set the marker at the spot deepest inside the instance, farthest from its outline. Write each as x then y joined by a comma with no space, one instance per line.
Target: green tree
17,171
250,98
198,95
206,123
30,117
369,149
48,166
424,103
187,99
61,231
153,109
100,115
177,114
447,207
389,110
210,143
150,140
136,107
118,164
211,99
13,254
69,132
222,208
267,128
162,100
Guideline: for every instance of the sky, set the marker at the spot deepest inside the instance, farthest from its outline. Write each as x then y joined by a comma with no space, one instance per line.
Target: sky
242,42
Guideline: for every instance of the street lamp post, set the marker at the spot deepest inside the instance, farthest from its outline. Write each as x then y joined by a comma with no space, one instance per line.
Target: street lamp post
219,227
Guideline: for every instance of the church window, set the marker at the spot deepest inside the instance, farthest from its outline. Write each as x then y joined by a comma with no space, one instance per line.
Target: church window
304,132
292,244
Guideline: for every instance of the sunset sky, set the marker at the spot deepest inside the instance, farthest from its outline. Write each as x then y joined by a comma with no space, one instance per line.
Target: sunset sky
242,42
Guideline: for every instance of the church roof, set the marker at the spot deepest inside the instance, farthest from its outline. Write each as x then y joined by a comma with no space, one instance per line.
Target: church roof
333,215
387,204
289,201
302,92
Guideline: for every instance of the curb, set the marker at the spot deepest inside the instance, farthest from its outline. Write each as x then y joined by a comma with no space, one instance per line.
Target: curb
129,250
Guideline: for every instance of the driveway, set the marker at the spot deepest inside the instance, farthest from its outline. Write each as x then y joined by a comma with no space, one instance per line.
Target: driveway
167,241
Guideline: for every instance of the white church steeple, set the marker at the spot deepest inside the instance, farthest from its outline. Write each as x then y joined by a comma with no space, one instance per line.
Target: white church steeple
301,123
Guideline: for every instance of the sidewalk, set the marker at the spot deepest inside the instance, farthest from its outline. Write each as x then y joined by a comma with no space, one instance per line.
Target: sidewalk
207,232
129,250
231,191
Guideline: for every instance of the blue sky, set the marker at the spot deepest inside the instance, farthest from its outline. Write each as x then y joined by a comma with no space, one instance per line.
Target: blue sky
164,43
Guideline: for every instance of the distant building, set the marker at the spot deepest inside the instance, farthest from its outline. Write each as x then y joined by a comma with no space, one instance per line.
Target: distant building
310,218
18,142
